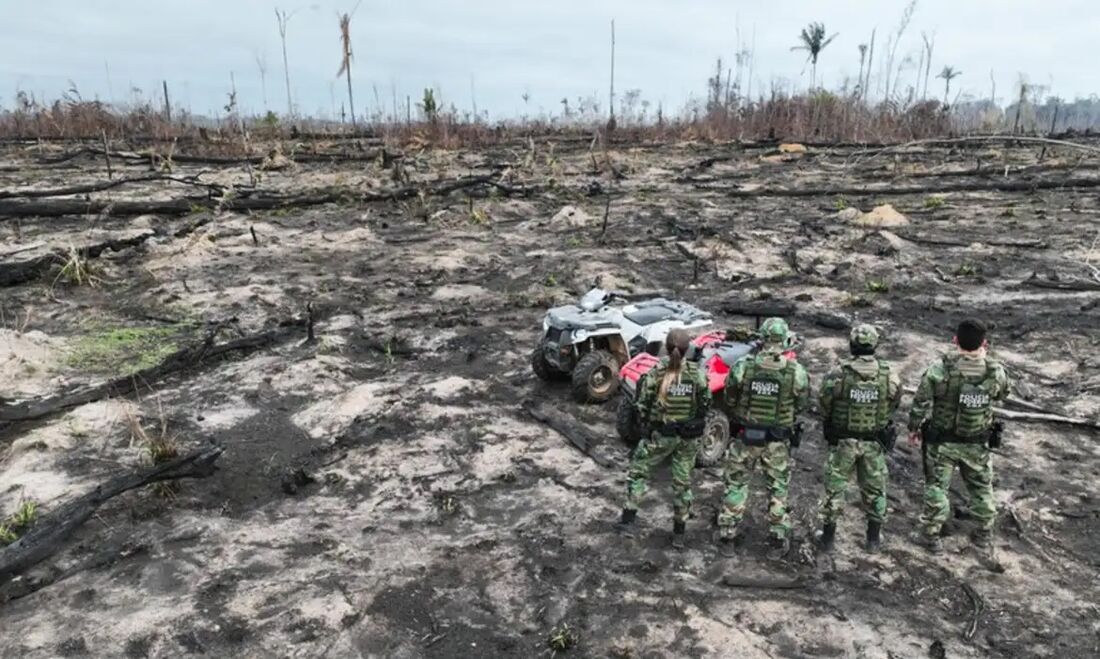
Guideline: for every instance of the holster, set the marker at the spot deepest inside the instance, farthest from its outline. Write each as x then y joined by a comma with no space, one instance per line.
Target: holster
888,437
996,434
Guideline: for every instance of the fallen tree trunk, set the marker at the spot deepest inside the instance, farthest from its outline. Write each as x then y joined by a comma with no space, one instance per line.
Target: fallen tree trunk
576,432
49,533
10,208
785,309
1074,285
100,186
966,186
1040,417
947,242
183,158
23,269
37,408
773,583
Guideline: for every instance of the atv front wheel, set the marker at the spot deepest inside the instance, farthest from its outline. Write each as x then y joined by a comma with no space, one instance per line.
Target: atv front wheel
626,422
595,378
541,367
715,439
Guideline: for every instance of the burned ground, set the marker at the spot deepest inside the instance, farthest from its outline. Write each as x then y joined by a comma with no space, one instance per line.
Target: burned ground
383,492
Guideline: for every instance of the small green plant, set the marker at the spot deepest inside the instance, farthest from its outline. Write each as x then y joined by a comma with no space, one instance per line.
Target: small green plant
562,638
551,280
840,203
77,270
933,202
574,241
877,286
447,503
270,120
18,522
966,270
390,359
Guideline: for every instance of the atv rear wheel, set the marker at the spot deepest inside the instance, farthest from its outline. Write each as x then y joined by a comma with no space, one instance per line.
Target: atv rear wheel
626,422
541,367
715,439
595,378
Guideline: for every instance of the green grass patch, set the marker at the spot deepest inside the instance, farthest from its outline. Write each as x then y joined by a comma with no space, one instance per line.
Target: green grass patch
18,522
125,350
933,202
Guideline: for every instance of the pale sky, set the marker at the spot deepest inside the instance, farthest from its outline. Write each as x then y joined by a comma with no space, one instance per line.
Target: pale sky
547,48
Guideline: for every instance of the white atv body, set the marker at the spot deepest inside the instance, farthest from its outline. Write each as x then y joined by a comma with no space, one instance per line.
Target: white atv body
591,341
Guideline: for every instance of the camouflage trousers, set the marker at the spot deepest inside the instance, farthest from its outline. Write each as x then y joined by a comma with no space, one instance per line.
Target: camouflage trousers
650,453
976,467
868,460
774,460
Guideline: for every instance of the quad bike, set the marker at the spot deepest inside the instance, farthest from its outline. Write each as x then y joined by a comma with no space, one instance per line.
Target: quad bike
590,342
716,352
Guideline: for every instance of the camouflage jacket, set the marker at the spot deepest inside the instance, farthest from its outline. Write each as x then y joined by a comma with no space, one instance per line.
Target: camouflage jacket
930,391
649,407
867,366
768,360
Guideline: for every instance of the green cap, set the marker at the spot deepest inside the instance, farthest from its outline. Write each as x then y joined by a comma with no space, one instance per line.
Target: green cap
864,335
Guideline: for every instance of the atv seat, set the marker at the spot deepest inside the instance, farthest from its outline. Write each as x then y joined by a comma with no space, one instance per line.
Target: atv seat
650,314
732,351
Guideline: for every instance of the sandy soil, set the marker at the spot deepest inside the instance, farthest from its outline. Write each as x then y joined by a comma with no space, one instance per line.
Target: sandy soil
430,516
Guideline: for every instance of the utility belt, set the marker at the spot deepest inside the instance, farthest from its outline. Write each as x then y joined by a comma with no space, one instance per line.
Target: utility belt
690,429
754,435
991,438
887,437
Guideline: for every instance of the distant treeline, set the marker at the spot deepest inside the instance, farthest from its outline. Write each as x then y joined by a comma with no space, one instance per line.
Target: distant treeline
816,115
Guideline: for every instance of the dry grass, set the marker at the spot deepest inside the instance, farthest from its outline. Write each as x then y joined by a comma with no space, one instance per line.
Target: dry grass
161,446
821,116
77,270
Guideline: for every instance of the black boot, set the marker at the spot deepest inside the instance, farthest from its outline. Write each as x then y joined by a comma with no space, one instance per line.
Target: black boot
983,538
625,527
828,537
779,547
874,537
679,527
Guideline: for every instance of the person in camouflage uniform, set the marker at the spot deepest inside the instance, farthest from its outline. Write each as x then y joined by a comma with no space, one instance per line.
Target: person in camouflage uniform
766,392
953,415
856,401
672,403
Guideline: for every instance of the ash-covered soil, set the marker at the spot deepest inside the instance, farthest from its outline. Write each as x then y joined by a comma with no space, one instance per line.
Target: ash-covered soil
383,492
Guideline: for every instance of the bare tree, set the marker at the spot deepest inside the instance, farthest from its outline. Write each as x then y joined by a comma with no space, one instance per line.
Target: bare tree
611,98
813,41
862,62
948,74
870,61
929,44
283,18
894,42
261,64
345,59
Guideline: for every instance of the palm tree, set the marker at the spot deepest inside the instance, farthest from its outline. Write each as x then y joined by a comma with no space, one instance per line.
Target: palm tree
948,74
813,42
